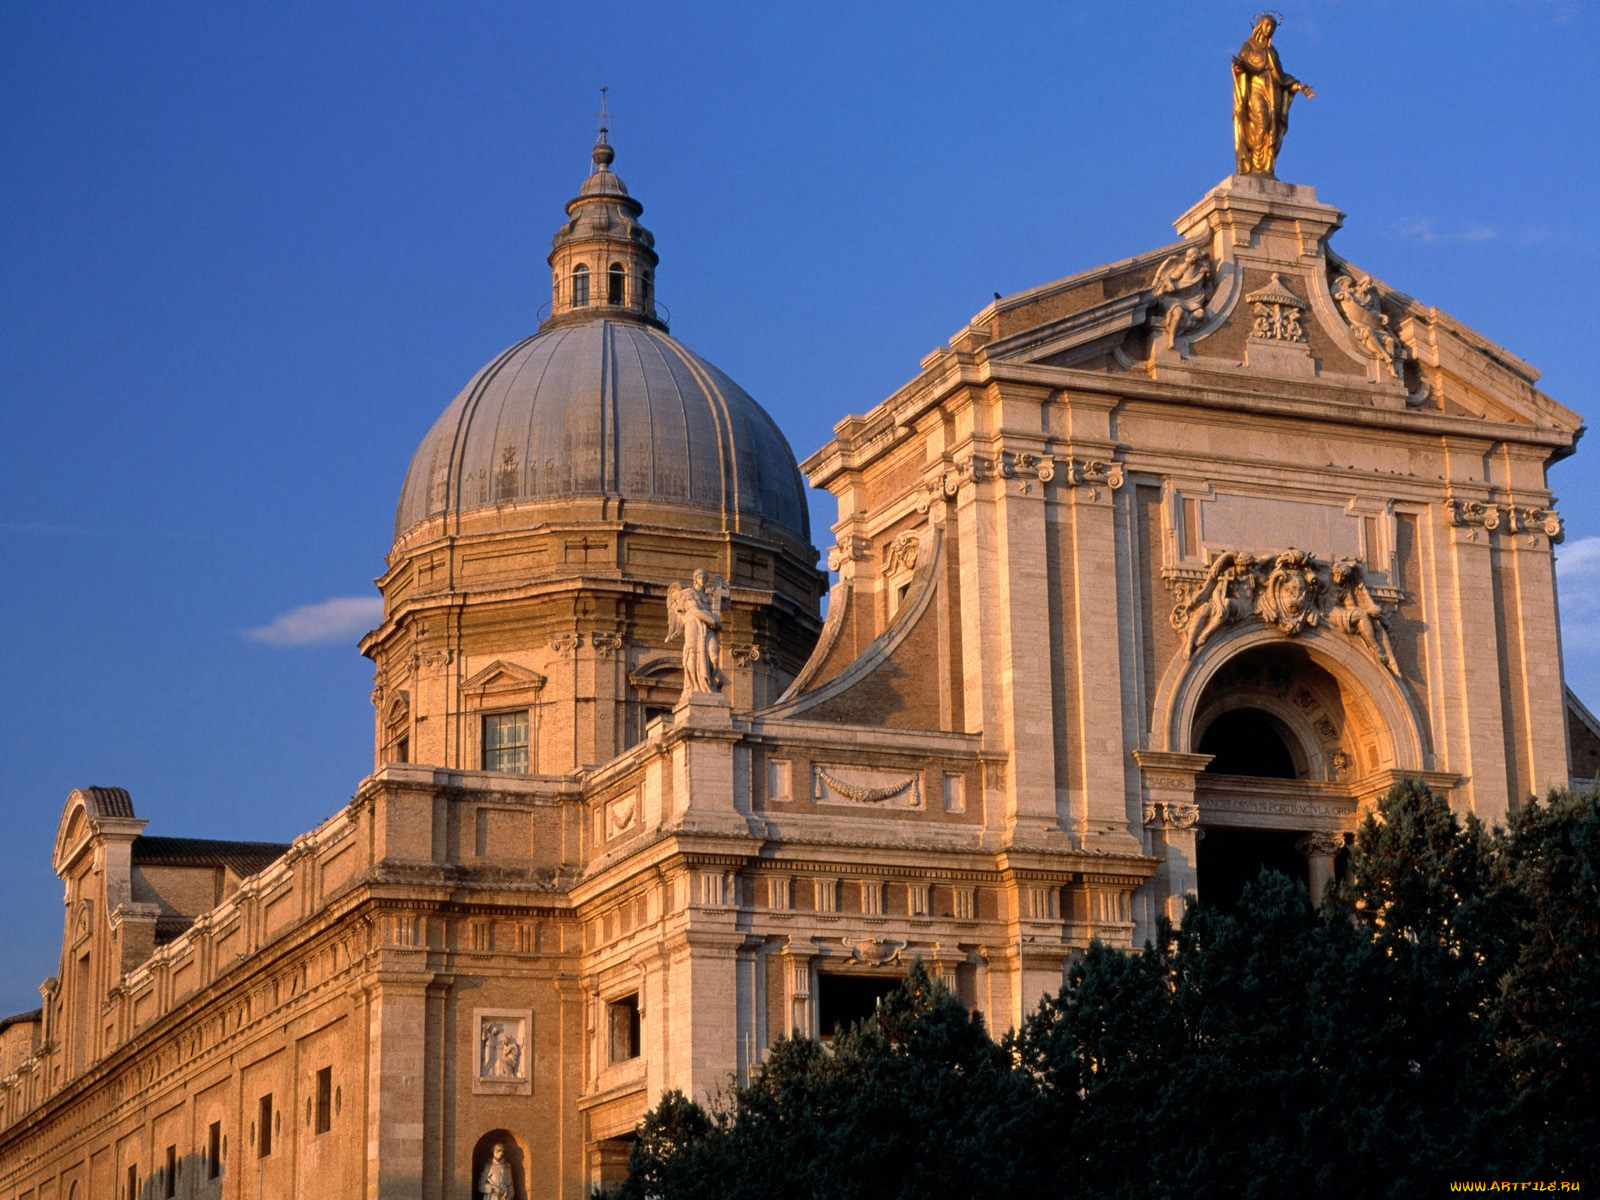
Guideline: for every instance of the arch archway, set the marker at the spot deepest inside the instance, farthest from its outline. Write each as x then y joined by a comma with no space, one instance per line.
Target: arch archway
1364,687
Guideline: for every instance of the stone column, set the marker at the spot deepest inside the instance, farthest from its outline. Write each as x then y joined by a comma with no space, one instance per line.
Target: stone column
396,1114
1171,821
1008,646
1320,849
1469,726
1098,625
797,988
702,1010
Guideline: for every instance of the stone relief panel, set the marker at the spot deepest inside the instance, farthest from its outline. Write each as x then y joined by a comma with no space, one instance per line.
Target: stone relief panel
503,1052
621,815
852,784
1293,591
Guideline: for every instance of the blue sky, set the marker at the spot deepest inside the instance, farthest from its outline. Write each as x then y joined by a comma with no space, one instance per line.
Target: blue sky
249,252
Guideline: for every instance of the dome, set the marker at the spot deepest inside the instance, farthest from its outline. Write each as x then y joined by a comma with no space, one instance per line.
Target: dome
607,406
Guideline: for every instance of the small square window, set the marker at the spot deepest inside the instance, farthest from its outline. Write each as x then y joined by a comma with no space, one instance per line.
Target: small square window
622,1025
505,741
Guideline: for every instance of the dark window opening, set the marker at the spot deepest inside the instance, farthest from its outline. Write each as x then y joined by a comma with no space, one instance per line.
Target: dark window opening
264,1126
1247,742
1229,859
505,742
133,1182
171,1179
580,286
623,1028
324,1114
214,1150
615,284
402,750
843,1000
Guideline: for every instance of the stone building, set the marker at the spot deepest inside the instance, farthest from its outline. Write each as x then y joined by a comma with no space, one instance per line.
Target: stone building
1150,576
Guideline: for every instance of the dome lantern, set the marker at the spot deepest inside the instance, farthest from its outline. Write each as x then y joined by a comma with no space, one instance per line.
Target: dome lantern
602,260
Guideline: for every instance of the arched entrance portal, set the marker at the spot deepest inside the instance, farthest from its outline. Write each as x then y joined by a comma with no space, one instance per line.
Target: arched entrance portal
1287,738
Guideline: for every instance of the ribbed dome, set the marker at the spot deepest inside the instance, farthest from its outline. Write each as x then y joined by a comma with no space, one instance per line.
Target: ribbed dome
606,407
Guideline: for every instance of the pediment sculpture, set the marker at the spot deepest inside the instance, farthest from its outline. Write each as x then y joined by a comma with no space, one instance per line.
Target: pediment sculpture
1292,592
1182,285
1369,325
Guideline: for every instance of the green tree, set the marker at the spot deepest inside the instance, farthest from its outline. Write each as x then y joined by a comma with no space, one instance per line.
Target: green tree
1438,1016
917,1101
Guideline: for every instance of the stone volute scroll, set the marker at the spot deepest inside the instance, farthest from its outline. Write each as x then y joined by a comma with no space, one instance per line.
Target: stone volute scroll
694,614
1292,592
1182,285
1358,301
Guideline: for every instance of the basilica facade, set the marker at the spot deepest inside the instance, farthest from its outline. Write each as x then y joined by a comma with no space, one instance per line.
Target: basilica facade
1151,575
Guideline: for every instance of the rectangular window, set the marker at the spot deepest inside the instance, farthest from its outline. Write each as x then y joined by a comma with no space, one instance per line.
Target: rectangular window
264,1126
324,1100
580,288
505,742
214,1150
622,1024
171,1180
133,1181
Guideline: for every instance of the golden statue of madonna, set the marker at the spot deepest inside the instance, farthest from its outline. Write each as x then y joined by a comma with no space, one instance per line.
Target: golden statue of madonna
1262,93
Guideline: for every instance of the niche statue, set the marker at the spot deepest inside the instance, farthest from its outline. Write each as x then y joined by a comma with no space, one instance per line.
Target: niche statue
497,1181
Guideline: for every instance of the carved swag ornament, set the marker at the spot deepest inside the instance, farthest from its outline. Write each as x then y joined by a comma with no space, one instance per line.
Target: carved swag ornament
1291,592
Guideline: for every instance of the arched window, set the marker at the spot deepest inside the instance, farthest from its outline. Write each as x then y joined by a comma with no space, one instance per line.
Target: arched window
614,284
580,286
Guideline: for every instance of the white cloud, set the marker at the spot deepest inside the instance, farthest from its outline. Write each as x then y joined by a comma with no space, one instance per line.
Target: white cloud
313,624
1431,233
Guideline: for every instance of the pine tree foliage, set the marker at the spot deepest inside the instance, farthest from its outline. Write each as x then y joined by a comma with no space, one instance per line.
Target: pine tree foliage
1437,1018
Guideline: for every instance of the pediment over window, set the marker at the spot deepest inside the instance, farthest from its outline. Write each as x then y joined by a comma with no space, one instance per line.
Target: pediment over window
502,676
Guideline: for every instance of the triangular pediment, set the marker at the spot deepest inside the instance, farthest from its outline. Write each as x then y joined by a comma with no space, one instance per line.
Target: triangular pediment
501,675
1253,295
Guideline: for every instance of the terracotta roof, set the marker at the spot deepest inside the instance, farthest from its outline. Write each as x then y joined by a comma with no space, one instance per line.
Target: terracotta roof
27,1018
111,801
242,858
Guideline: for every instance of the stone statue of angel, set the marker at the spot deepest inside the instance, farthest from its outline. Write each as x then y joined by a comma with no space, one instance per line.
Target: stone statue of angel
1359,614
1228,594
1358,300
1181,285
692,614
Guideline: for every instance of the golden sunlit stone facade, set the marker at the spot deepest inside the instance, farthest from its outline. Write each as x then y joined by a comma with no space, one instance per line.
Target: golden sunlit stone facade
1152,575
